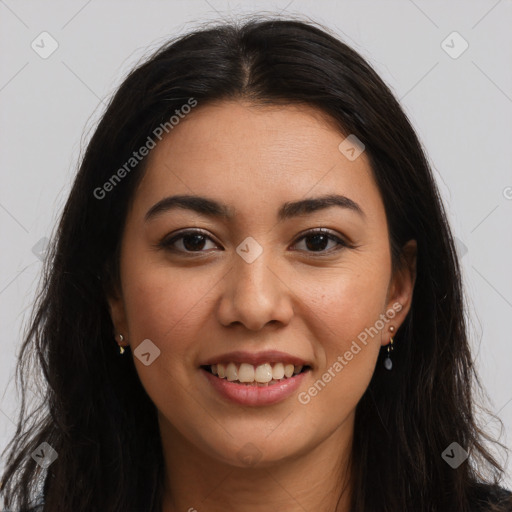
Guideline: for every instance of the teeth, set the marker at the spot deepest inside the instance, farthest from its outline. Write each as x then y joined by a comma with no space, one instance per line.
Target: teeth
278,371
246,373
231,372
262,375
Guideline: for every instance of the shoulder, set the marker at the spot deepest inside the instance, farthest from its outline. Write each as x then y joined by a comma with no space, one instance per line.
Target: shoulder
487,495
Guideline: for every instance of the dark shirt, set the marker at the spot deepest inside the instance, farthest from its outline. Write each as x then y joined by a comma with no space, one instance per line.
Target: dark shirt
487,496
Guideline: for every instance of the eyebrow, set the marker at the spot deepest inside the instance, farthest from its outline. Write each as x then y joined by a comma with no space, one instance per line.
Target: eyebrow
215,209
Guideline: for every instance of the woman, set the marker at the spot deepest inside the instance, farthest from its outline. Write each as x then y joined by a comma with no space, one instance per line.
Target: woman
253,301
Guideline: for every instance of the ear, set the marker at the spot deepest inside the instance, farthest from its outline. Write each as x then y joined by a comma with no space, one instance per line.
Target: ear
117,314
402,286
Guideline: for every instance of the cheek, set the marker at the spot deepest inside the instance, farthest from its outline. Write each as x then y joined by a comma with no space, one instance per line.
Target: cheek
348,354
348,302
350,310
169,309
163,304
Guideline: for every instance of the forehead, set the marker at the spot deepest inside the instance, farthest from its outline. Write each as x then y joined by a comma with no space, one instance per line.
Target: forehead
252,155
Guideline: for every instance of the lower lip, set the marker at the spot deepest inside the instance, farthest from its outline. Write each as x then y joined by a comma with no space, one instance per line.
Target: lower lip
255,395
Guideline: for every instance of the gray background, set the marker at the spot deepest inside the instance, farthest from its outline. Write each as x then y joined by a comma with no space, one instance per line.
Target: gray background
461,108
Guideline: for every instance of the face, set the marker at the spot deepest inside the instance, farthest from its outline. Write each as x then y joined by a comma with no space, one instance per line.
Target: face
255,284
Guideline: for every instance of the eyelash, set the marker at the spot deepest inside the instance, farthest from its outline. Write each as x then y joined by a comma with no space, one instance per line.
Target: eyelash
167,243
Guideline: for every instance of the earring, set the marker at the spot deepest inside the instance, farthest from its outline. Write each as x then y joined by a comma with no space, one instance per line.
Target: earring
121,348
388,364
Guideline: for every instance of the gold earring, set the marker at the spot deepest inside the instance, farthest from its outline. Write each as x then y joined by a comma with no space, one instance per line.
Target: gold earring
121,348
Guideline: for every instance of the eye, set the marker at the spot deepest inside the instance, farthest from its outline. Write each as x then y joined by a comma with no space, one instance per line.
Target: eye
193,241
318,239
189,241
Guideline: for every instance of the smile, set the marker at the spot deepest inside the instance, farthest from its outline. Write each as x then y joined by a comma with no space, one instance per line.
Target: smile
254,385
266,374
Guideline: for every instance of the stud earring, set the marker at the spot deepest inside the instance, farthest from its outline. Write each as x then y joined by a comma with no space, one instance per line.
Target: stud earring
388,364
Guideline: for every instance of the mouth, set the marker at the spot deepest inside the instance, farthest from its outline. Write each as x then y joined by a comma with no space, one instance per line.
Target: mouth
261,375
255,379
256,385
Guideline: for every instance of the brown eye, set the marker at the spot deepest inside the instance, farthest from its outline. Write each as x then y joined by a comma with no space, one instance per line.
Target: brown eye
317,240
186,242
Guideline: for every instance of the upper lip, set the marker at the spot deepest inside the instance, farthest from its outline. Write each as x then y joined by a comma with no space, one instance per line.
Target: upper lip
256,358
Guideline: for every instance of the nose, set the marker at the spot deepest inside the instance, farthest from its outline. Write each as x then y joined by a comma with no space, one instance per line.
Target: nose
255,295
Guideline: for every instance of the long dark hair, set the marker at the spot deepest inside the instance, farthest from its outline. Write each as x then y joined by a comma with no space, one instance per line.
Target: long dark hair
94,411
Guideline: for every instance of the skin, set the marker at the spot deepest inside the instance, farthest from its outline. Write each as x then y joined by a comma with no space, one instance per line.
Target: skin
208,302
